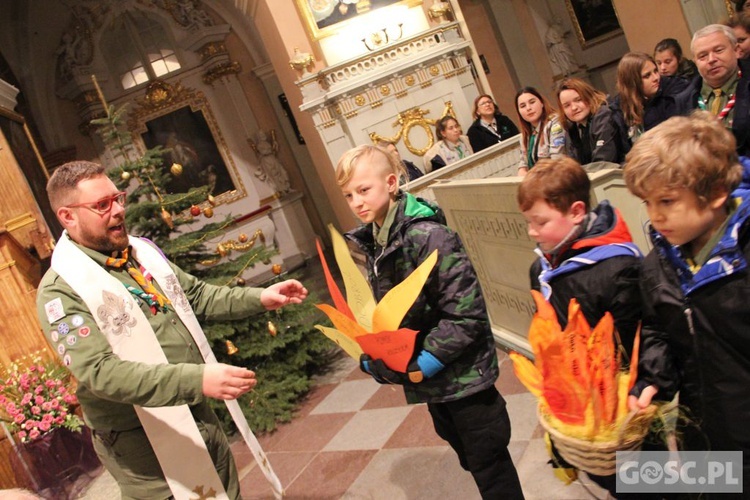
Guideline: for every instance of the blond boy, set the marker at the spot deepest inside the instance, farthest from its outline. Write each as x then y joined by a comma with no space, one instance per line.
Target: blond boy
454,356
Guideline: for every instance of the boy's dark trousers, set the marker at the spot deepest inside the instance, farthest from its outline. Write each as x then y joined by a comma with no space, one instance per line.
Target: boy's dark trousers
478,428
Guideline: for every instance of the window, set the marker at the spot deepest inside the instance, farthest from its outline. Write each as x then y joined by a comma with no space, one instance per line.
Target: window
138,49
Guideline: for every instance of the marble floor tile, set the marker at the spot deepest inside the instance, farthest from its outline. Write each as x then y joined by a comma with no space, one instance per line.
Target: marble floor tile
348,396
523,419
286,465
329,475
313,432
387,396
414,473
417,430
368,429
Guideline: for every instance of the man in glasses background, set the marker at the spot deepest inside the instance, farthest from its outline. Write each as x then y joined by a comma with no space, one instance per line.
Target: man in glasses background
125,322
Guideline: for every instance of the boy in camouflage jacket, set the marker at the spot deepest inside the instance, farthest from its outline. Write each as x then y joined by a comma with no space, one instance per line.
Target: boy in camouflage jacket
454,354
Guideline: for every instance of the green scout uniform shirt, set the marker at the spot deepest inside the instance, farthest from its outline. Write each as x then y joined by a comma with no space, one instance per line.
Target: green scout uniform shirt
109,386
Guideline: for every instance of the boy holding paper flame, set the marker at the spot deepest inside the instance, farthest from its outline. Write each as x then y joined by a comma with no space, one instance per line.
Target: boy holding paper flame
454,365
696,327
584,254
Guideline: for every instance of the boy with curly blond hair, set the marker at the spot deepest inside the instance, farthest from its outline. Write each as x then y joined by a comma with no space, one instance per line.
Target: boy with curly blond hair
695,282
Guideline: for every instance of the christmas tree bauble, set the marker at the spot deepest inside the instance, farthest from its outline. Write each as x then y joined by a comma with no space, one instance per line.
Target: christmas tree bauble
195,211
176,169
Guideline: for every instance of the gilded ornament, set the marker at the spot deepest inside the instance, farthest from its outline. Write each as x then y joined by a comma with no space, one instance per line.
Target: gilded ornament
231,348
211,200
434,70
409,80
242,237
240,281
272,329
176,170
276,269
385,90
208,212
125,175
301,61
167,218
359,100
221,250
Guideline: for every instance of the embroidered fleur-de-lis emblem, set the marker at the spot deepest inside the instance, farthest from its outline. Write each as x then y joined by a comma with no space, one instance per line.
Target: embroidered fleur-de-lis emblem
176,294
115,315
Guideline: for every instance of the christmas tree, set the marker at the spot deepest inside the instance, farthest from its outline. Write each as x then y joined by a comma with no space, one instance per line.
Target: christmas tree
280,346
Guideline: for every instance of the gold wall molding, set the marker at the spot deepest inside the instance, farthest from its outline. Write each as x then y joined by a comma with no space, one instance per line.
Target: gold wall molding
221,70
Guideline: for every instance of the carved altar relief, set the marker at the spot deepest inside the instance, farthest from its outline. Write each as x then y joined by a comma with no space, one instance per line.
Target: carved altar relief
401,89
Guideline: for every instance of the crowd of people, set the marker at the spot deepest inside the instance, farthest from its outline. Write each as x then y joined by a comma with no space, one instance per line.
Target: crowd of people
589,126
136,315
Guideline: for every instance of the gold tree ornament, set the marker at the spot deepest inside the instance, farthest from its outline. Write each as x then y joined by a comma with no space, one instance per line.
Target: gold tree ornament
231,348
211,200
176,169
272,329
276,269
125,175
242,237
240,281
208,212
167,218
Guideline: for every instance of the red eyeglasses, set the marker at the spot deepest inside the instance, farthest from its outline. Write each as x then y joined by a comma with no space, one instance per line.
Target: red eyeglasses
104,205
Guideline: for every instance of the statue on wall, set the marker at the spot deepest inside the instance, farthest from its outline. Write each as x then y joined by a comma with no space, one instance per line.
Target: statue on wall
188,15
270,169
560,54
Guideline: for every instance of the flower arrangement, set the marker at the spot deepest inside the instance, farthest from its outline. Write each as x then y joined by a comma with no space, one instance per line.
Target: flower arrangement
35,398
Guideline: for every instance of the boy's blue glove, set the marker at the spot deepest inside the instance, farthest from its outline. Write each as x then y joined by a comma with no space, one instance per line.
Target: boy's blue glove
425,366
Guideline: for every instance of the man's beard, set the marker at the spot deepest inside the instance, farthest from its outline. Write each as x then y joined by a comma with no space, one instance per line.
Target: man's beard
106,243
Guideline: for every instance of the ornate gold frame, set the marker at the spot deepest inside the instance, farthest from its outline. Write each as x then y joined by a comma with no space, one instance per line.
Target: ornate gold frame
159,100
315,33
409,119
586,43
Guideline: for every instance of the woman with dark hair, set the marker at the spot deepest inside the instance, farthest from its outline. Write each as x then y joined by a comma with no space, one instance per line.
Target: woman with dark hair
741,6
542,135
451,146
490,125
670,61
645,98
741,27
592,132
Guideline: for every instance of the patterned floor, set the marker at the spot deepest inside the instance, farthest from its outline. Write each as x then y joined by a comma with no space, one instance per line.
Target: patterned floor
356,439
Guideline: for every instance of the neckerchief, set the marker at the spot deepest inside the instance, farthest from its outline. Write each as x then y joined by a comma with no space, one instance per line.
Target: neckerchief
149,294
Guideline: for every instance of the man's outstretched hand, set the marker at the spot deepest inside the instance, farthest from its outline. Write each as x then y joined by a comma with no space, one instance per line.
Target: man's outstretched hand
281,294
222,381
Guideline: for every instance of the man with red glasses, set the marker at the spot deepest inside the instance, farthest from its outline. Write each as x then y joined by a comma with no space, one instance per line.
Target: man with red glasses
125,321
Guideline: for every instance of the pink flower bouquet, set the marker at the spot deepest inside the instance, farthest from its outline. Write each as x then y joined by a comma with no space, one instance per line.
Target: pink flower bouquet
35,399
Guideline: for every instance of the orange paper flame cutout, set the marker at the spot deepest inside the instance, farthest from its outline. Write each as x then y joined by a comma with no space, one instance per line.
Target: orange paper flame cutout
575,370
360,325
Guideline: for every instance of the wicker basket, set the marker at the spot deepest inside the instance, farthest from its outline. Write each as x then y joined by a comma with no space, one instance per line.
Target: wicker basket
595,457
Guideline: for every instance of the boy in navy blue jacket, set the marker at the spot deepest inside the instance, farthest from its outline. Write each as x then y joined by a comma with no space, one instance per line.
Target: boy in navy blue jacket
695,282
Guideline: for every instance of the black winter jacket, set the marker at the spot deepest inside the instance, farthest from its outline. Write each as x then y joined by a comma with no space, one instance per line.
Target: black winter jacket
480,137
604,139
741,115
604,283
696,333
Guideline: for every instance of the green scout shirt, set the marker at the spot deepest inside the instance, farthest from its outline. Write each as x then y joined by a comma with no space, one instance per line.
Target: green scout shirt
109,386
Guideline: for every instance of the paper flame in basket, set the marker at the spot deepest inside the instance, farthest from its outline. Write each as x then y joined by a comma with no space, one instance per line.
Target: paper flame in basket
576,373
361,325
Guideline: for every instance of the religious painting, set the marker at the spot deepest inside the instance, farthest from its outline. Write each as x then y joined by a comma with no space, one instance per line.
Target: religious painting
325,17
594,20
181,121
